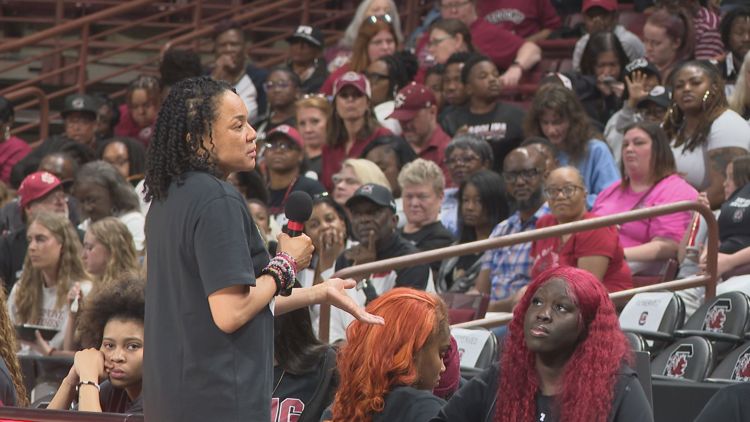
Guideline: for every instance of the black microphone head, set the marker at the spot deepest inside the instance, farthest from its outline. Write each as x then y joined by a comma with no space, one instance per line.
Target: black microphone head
298,206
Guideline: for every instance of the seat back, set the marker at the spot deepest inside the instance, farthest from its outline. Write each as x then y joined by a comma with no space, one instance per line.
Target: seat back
477,350
637,317
637,343
735,366
463,307
690,358
723,320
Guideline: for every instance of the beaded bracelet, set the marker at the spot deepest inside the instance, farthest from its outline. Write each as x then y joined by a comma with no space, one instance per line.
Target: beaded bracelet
288,258
283,271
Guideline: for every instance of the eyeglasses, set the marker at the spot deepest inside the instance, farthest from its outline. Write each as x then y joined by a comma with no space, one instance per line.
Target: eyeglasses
436,41
372,19
375,77
316,95
527,174
277,85
566,191
454,6
338,178
468,159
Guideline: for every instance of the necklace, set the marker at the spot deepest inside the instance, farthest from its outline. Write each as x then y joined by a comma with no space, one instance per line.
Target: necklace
273,393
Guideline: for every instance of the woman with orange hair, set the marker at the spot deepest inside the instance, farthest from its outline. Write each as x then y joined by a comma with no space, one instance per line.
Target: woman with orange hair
565,359
388,372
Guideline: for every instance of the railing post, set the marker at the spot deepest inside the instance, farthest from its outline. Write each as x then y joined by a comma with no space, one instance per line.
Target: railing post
83,58
305,12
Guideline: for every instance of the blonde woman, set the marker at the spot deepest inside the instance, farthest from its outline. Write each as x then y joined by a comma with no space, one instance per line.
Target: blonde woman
312,123
739,101
52,280
109,251
354,173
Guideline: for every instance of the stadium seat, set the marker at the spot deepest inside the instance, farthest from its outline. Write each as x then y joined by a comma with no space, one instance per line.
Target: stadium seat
486,357
671,320
465,308
665,272
723,320
689,359
735,367
637,343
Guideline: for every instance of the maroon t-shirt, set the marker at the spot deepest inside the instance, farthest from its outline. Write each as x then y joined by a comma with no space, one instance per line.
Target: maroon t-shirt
598,242
522,17
333,157
495,42
435,151
11,152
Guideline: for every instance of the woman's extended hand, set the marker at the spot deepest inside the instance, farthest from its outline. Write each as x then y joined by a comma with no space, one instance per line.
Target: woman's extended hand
335,290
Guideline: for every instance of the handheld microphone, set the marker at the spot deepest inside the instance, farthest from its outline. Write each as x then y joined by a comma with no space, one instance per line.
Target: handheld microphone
298,209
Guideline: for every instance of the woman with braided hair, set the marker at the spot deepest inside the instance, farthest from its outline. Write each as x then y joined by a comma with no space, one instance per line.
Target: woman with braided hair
564,359
213,287
12,388
705,134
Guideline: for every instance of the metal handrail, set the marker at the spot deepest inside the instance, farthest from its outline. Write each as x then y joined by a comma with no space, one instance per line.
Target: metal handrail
708,280
32,91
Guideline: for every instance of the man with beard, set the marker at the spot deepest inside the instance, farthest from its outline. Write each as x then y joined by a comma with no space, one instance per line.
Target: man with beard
374,220
505,271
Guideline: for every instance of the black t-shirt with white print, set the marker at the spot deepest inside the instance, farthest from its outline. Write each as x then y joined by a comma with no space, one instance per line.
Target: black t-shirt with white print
500,127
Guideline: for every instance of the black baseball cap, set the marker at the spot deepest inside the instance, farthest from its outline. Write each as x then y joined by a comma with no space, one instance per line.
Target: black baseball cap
80,102
307,33
642,65
659,96
378,194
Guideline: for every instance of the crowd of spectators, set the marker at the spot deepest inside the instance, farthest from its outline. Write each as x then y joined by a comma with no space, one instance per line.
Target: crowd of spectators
406,143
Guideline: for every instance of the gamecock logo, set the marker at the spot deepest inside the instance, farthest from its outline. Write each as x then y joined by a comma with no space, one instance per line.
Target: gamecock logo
741,371
717,316
678,361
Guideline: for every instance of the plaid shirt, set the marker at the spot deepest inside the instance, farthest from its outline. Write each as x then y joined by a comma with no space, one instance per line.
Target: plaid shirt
510,267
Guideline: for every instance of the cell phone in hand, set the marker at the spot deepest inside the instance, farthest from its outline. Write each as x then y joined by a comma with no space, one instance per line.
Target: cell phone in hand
26,332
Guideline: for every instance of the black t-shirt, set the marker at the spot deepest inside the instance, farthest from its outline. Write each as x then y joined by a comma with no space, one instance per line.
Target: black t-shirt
500,127
8,393
304,396
116,400
476,400
734,221
312,83
201,239
277,197
415,276
405,404
431,236
730,404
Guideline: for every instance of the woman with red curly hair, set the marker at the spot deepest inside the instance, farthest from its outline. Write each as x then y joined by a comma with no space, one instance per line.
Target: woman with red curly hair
388,372
565,359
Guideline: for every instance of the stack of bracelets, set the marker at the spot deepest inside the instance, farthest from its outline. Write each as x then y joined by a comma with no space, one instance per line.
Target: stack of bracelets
283,269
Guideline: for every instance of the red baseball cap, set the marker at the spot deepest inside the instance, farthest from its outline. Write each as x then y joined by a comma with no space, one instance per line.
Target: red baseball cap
287,131
410,99
37,185
354,79
609,5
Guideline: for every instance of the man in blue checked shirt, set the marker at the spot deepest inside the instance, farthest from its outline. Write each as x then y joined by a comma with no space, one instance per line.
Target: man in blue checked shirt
505,271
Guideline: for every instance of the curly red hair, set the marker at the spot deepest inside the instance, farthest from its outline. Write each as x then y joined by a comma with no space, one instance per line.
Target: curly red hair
591,371
378,358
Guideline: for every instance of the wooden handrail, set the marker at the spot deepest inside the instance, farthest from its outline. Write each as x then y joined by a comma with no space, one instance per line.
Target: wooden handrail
708,280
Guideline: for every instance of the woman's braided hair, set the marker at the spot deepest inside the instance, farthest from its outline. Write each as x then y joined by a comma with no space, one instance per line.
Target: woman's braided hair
185,119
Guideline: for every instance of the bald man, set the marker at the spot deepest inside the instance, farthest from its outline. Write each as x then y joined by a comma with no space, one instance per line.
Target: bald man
506,270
